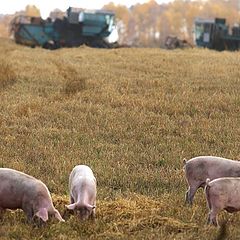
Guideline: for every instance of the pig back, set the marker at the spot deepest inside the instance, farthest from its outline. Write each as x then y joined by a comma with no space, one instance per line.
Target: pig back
227,188
16,186
80,171
212,167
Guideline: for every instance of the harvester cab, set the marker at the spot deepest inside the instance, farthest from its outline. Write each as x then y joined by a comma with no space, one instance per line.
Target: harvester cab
214,34
95,26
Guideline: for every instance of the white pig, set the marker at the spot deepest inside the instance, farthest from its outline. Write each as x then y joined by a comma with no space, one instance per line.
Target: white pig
222,193
21,191
198,169
82,187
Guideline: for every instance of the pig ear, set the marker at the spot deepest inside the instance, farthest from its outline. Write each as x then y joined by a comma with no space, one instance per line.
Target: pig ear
90,207
71,206
43,214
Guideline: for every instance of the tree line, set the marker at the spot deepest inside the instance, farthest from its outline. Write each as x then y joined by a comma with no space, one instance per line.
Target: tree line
149,24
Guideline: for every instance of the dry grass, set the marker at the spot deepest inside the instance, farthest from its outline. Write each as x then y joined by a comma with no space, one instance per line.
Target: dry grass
130,114
7,76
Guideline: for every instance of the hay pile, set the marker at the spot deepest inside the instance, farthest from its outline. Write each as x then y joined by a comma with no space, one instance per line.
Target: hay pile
125,217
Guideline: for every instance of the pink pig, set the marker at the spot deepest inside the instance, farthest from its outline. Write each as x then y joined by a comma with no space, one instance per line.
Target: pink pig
82,187
19,190
198,169
222,193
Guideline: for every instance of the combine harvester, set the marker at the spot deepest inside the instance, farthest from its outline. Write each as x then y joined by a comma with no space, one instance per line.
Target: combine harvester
214,34
93,28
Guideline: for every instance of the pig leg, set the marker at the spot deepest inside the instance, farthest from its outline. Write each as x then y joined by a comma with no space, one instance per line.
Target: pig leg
190,193
93,214
28,210
212,216
94,210
66,210
2,211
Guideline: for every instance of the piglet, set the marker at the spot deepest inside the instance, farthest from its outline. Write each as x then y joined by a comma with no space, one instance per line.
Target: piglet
21,191
82,187
222,193
198,169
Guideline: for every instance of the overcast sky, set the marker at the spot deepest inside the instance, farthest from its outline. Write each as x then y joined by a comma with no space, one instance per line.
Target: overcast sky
45,6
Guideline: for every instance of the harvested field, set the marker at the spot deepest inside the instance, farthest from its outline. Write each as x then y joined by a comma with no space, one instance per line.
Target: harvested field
132,115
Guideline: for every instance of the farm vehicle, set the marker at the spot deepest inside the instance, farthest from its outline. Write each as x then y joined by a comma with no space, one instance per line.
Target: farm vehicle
94,28
173,42
215,34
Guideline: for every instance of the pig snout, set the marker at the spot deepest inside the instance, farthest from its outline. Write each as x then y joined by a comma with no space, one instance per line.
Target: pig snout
83,211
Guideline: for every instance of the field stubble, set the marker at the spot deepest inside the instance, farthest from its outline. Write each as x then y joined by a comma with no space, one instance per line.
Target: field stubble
130,114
